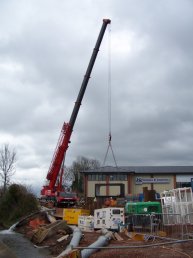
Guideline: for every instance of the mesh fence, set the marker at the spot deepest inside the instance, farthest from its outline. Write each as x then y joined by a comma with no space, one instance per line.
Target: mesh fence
188,225
147,236
163,225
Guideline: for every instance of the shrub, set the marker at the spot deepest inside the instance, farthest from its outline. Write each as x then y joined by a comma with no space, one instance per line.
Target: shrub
16,203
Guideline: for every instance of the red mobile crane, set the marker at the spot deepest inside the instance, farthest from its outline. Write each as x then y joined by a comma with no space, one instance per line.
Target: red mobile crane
56,170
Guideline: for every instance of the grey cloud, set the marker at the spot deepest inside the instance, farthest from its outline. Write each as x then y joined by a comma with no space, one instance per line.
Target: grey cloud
44,52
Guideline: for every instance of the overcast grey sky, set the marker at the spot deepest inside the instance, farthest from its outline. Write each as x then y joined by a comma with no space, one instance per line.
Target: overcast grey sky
45,47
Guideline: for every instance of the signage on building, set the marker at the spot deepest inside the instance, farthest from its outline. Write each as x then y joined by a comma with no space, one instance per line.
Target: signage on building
140,180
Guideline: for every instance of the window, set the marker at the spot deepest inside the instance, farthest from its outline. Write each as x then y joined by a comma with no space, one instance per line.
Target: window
103,177
118,177
183,184
112,178
97,177
100,177
123,177
116,211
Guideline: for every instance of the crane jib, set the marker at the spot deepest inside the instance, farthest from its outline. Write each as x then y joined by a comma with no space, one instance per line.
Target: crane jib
67,128
88,73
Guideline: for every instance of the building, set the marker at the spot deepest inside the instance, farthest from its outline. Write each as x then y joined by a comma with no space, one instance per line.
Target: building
121,181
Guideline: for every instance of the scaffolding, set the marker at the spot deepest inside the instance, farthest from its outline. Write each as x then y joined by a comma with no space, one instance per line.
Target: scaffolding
177,201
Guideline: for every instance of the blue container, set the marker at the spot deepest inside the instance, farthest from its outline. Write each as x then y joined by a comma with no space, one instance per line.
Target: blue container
141,197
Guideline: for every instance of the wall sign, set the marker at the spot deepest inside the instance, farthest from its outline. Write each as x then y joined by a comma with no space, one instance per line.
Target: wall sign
140,180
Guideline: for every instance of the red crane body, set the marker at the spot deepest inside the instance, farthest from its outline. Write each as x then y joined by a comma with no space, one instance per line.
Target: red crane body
59,155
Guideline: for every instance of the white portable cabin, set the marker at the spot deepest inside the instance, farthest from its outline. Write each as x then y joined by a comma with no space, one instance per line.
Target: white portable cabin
109,218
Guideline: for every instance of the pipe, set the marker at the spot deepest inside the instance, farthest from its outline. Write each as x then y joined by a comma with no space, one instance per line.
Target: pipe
77,234
137,246
101,241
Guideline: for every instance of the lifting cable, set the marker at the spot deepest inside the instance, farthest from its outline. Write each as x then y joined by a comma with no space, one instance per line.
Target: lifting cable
109,147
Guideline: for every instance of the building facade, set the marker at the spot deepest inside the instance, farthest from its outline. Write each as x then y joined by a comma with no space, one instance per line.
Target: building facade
121,181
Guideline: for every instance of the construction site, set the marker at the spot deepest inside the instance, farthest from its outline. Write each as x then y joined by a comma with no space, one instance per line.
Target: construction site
136,229
107,220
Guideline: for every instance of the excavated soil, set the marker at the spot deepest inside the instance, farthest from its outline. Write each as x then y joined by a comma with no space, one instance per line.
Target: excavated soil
178,250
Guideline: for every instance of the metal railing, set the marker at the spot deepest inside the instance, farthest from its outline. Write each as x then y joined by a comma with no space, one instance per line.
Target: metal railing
188,225
174,226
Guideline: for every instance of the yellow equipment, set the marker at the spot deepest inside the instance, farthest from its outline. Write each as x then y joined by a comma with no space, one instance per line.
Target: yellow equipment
71,215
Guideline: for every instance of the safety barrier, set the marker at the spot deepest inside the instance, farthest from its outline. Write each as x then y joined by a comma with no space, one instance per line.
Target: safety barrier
162,225
188,225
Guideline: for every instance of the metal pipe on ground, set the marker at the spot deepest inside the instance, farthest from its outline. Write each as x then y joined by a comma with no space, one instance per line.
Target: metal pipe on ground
101,241
77,234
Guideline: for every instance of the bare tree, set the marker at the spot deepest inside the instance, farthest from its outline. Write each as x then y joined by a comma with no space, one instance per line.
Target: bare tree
82,164
7,165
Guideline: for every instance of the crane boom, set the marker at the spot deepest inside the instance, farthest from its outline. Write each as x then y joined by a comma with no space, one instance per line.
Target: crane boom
67,128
